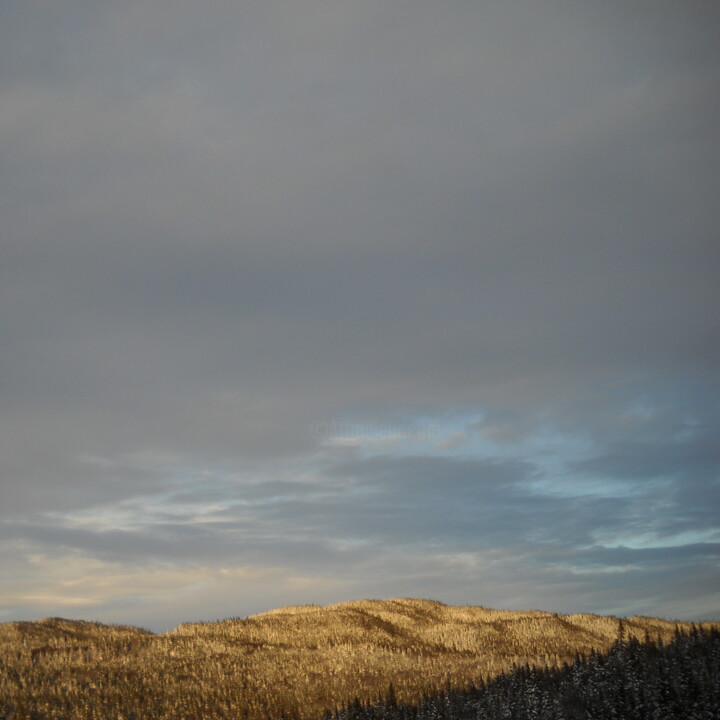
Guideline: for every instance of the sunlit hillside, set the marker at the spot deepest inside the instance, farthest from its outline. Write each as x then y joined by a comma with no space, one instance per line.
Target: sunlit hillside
294,661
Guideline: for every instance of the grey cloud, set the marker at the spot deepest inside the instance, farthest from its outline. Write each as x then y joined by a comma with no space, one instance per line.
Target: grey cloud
649,559
435,474
245,544
224,224
638,460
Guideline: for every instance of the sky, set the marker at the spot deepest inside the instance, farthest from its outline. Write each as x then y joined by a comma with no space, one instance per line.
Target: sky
317,300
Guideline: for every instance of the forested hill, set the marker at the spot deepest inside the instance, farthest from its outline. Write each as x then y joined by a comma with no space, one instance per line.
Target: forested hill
633,681
295,662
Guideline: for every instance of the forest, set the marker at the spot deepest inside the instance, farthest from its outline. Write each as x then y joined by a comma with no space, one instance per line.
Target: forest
635,680
304,662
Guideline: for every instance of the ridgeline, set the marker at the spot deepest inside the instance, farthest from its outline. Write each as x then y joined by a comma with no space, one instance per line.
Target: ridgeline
295,662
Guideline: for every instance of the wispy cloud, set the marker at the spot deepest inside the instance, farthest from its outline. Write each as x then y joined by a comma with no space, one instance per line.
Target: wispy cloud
373,299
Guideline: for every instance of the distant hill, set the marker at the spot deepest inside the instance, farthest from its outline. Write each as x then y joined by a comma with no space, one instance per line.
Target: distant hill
292,662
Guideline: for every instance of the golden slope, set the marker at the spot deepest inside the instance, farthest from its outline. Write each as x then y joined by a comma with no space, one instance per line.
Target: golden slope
296,660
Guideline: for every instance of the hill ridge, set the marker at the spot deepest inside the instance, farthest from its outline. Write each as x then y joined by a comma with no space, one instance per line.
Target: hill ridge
295,661
387,605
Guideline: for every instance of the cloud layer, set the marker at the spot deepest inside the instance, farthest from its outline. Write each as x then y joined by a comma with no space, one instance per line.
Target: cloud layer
310,301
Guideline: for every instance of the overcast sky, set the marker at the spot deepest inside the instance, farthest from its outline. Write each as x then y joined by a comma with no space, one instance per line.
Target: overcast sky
318,300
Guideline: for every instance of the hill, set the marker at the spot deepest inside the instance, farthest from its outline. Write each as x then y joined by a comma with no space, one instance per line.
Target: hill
295,661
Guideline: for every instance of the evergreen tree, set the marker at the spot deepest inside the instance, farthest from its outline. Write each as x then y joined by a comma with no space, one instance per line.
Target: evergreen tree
634,681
